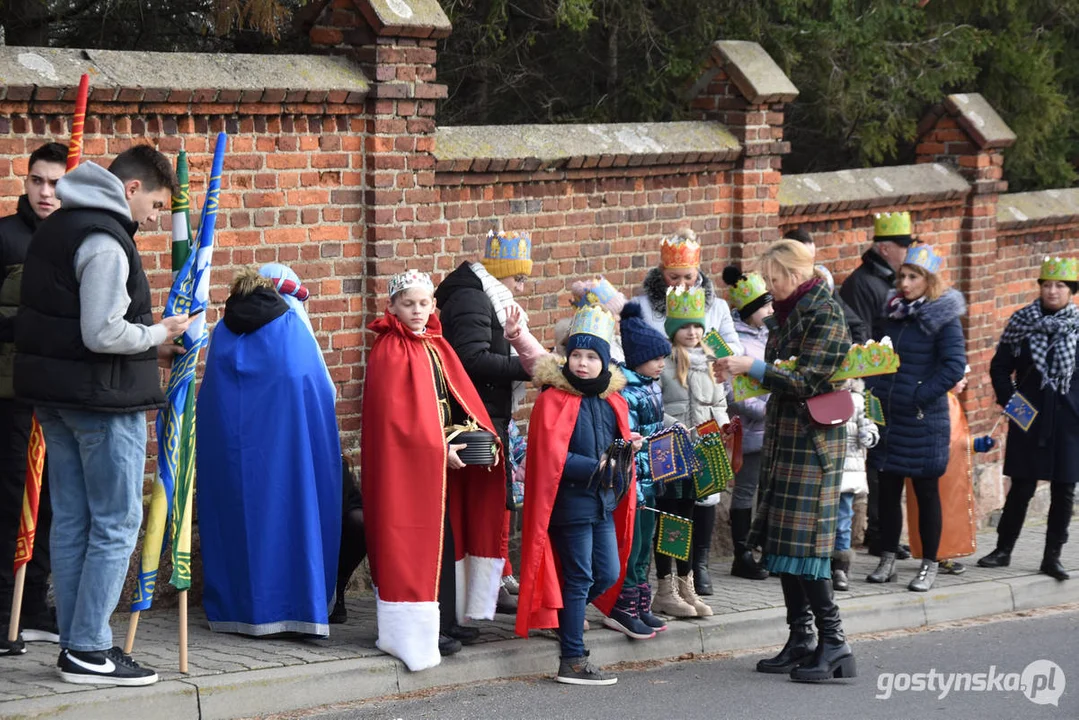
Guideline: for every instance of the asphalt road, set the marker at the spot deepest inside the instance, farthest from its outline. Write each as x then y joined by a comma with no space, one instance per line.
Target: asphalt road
1017,668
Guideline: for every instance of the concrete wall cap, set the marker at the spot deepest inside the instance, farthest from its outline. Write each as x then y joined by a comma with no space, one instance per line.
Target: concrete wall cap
980,120
1044,207
754,72
555,145
408,18
871,187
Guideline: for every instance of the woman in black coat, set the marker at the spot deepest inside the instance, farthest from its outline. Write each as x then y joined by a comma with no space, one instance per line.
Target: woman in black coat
923,324
1036,357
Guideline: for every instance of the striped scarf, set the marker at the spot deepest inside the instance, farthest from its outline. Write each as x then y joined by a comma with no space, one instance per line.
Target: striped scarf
1043,333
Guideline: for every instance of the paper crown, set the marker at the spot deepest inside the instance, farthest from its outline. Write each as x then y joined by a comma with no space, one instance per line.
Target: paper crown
507,253
683,304
746,290
593,320
887,225
1060,269
924,257
680,251
873,358
410,279
601,292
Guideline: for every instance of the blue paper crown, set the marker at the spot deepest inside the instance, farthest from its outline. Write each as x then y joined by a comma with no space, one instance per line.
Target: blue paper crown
924,257
600,293
508,246
593,320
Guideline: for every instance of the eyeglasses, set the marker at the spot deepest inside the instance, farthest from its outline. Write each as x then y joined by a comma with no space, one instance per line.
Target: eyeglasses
520,279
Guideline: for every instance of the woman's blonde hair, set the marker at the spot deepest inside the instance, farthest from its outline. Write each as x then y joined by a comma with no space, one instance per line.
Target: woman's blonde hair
682,362
935,286
788,256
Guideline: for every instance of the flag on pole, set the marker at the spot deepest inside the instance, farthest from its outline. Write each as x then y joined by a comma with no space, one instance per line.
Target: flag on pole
35,454
171,500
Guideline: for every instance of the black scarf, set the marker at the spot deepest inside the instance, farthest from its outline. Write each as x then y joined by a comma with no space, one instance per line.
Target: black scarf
589,387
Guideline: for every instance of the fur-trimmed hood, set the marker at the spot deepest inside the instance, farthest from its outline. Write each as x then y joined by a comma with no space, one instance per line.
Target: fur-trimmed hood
932,315
655,287
548,373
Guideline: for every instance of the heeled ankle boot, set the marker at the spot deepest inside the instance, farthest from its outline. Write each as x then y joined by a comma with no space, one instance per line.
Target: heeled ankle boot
885,571
802,641
1051,564
744,565
689,594
833,657
927,575
704,524
841,560
669,602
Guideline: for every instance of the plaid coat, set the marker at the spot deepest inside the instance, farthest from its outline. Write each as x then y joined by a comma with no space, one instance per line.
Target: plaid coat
801,462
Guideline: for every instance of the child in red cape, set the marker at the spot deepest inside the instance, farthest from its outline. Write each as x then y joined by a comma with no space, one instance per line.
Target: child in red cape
426,579
578,520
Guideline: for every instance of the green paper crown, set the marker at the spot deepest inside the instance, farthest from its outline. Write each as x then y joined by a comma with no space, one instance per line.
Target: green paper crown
1060,269
685,304
593,320
747,290
873,358
891,224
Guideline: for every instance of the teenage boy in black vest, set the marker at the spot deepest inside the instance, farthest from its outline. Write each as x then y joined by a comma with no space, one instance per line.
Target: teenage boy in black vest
87,359
39,200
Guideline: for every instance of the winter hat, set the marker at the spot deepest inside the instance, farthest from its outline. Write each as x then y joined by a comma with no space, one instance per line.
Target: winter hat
507,253
684,307
640,341
598,291
748,293
592,329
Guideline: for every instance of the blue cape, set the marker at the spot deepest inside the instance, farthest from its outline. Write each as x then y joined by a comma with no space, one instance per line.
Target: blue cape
269,481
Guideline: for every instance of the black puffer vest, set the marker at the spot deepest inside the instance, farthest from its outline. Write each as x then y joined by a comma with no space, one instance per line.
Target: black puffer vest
15,233
52,365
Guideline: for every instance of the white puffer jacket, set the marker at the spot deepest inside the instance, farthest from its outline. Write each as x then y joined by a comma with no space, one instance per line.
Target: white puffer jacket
862,434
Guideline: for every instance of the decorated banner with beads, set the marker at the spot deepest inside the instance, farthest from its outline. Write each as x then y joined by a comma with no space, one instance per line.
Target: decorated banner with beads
674,535
716,473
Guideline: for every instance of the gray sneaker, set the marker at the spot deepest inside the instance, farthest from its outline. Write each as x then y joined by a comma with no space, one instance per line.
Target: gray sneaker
581,671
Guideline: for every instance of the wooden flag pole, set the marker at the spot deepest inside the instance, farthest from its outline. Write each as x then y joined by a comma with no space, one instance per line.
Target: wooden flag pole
16,604
132,626
183,631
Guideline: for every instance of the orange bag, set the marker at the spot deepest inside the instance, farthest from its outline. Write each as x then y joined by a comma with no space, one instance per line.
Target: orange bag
732,440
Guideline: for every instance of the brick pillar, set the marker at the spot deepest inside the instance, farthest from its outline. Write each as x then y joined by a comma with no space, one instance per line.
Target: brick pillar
743,88
394,42
968,134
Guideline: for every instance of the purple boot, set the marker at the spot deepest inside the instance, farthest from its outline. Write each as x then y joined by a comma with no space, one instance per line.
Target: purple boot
644,609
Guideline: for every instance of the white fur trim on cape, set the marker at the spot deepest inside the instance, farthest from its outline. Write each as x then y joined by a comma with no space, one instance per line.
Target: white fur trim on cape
409,632
484,580
459,587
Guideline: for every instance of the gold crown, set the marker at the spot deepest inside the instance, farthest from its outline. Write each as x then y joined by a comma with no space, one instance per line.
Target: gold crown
593,320
891,224
746,290
1060,269
681,251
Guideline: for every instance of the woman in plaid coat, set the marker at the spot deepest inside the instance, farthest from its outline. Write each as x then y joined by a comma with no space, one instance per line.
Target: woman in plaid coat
801,462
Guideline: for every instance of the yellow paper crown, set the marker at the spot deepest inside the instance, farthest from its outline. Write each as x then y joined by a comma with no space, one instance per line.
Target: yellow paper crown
683,304
680,251
507,253
593,320
887,225
747,290
1060,269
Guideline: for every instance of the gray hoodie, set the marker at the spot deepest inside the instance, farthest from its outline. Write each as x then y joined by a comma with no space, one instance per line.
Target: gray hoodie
101,268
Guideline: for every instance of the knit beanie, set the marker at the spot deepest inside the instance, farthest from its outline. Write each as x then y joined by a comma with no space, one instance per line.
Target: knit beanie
640,341
585,341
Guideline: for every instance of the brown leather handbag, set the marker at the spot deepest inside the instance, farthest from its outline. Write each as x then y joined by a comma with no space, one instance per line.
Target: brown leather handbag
732,441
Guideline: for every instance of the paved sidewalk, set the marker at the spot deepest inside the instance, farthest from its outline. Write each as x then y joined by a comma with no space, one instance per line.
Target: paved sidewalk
234,676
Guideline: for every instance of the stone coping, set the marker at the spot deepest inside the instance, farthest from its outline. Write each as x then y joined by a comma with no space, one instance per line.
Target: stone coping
548,147
754,72
981,120
41,74
1044,207
867,188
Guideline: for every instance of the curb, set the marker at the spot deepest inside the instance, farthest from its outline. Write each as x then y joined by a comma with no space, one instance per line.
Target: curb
275,690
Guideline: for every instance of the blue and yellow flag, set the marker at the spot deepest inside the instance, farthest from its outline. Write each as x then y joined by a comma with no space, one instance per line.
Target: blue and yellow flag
174,485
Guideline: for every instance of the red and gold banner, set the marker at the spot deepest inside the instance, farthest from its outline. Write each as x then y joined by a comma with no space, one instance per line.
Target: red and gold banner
35,462
74,147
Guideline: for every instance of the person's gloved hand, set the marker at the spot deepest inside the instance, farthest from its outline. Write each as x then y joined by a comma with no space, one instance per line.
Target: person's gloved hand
985,443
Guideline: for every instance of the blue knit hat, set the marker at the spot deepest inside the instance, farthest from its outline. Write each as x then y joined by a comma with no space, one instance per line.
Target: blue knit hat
640,341
584,341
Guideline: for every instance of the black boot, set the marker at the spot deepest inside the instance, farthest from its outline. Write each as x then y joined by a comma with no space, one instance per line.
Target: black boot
802,642
833,657
1051,562
1000,557
704,522
744,565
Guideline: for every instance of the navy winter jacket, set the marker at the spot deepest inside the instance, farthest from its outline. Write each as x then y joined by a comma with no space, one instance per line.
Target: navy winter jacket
932,359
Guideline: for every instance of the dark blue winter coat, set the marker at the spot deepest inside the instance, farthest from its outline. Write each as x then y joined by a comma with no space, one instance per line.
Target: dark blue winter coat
645,401
932,359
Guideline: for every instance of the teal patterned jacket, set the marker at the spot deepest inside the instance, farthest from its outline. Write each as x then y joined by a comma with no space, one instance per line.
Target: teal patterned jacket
801,462
645,417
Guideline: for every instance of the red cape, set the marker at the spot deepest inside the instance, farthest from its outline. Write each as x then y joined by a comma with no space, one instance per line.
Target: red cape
405,479
549,430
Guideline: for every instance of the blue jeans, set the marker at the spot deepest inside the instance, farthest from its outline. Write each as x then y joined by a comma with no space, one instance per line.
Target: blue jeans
96,465
589,556
844,521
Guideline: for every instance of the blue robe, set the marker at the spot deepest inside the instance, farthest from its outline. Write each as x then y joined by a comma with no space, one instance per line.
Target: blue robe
269,481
